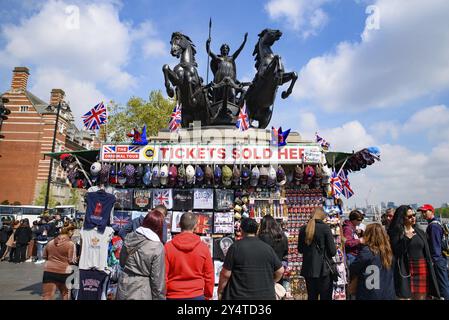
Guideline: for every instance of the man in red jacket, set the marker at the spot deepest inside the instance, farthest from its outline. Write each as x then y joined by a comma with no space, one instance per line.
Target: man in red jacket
188,264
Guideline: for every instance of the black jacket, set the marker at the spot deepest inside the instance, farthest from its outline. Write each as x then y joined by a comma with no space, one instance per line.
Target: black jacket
23,235
279,247
401,267
313,265
5,233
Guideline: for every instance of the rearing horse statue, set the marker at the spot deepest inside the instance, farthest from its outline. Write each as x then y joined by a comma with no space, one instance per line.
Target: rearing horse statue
270,75
184,77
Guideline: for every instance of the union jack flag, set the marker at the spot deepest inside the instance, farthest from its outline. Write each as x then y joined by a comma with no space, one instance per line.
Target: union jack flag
336,185
95,117
243,120
134,149
109,149
175,119
324,144
347,191
162,197
121,218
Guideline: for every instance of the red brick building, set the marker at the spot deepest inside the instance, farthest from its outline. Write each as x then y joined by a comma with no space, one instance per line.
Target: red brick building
28,134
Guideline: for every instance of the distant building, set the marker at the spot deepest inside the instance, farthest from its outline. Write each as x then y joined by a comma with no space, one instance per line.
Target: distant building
445,205
391,205
383,205
414,206
28,135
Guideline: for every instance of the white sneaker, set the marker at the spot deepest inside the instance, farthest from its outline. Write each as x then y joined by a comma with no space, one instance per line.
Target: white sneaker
29,260
39,261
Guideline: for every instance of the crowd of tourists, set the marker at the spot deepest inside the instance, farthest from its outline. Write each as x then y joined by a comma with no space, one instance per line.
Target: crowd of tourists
395,260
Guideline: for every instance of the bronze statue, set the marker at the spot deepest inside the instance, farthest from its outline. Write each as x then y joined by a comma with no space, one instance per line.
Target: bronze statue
270,75
184,77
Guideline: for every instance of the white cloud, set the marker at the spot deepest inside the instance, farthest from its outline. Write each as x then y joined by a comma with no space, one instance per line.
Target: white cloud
404,59
434,117
79,58
305,16
351,136
386,128
155,48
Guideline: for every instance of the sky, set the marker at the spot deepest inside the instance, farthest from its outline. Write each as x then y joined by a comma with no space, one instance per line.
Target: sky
371,72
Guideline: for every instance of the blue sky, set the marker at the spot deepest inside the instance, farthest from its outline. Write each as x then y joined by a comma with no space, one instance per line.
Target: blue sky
358,86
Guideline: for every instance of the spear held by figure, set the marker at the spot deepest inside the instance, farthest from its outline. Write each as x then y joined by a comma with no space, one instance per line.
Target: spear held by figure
208,52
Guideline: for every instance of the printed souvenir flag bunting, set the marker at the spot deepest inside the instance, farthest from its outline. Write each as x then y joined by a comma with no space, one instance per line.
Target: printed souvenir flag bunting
346,190
95,117
336,185
324,144
139,138
175,119
279,137
243,120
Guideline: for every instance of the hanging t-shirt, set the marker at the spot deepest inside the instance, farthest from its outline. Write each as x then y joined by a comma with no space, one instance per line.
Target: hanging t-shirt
92,283
98,212
94,251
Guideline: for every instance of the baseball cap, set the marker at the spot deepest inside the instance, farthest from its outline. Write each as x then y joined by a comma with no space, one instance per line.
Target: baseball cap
181,175
95,168
217,174
104,173
147,177
271,176
190,174
255,174
246,173
227,175
164,174
156,176
236,174
263,176
209,174
280,176
426,207
172,174
199,175
299,172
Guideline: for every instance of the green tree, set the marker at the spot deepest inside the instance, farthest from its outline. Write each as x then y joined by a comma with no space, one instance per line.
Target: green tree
74,197
154,113
40,200
444,212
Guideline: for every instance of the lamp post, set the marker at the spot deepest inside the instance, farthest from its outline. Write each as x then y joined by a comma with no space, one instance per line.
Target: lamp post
47,196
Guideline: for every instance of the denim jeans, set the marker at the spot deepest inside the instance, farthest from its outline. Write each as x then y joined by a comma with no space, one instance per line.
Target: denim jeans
40,250
440,266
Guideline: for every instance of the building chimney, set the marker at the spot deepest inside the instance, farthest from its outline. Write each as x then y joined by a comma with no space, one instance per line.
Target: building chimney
56,96
20,78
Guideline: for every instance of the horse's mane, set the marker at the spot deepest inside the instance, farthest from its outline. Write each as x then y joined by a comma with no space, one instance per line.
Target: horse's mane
186,38
256,52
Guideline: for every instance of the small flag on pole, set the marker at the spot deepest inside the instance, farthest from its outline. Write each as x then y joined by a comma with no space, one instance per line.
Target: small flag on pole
95,117
175,119
336,185
346,188
243,120
324,144
279,137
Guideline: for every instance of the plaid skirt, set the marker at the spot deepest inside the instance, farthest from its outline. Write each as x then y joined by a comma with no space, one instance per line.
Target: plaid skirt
419,276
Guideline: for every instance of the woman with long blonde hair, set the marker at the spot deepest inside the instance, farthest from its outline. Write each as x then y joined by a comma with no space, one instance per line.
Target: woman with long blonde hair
373,266
316,243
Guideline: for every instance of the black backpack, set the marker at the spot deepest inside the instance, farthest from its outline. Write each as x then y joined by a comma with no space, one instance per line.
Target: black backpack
445,240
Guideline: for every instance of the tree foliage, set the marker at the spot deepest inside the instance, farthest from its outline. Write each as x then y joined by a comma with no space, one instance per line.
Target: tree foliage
444,212
154,113
40,200
74,197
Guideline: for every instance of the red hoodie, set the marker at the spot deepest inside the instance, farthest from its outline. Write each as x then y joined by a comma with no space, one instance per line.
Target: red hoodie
189,269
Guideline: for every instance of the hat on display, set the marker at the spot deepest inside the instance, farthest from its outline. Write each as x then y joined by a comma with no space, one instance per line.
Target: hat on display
426,207
164,175
113,178
190,174
104,173
172,174
209,174
255,174
64,156
95,168
199,175
309,172
246,174
130,172
181,175
271,176
263,176
236,175
245,215
156,176
227,176
80,183
299,173
147,177
237,216
217,174
280,176
139,171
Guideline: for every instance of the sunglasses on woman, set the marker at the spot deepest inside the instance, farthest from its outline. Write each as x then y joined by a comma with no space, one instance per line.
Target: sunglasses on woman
411,216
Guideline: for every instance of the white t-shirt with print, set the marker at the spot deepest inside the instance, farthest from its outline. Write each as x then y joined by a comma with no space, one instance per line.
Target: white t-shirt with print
94,250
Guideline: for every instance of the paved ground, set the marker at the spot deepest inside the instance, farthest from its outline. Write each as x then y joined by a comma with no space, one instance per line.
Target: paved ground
20,281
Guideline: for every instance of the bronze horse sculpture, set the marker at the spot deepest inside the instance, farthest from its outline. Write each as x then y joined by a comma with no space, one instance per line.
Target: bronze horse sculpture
184,77
270,75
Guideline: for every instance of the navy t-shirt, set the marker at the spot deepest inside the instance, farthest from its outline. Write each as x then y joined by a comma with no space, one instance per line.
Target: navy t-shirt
252,263
98,212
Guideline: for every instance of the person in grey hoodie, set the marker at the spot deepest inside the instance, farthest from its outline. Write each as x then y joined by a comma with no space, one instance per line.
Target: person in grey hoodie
142,261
